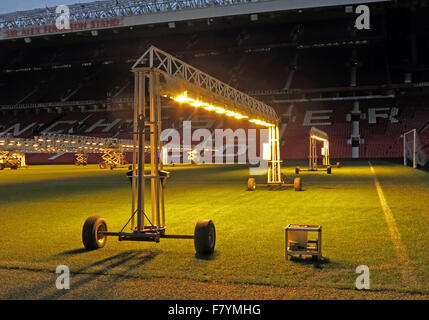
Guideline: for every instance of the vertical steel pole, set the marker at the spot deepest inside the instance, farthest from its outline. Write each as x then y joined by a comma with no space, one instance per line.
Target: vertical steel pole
161,166
140,119
310,152
328,156
315,153
278,154
273,155
414,148
160,194
133,181
154,143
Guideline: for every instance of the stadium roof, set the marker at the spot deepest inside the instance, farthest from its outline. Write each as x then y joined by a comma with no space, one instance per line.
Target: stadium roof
126,13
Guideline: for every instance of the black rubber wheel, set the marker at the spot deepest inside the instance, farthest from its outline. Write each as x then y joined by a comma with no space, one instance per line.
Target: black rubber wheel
1,166
103,165
329,170
315,258
297,184
91,237
297,170
204,237
251,184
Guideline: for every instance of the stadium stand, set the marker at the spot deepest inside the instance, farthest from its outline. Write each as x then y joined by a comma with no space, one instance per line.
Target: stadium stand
83,84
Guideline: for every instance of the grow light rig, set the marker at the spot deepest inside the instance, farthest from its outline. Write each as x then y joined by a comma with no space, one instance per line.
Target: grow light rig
158,74
112,149
317,135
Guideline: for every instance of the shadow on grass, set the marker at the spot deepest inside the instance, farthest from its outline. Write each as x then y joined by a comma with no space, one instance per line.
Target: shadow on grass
207,257
128,261
317,264
123,263
322,187
284,189
275,188
72,252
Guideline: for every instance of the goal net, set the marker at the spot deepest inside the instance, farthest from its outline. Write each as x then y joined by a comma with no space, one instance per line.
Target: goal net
414,153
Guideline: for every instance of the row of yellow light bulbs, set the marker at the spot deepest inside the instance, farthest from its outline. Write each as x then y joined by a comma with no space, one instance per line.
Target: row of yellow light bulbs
18,144
48,147
73,142
35,145
195,103
319,138
12,143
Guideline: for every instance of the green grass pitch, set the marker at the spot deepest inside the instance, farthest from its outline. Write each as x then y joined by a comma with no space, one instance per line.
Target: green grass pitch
43,208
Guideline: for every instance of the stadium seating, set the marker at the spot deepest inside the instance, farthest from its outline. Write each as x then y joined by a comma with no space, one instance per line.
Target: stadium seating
380,140
251,58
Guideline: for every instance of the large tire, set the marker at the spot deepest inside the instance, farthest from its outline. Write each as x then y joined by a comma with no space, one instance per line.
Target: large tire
91,237
204,237
297,170
251,184
297,184
1,166
103,165
329,170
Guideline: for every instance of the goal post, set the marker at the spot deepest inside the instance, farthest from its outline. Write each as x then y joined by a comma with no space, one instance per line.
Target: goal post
413,150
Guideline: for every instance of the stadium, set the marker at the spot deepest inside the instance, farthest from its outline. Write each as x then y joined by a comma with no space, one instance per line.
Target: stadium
260,127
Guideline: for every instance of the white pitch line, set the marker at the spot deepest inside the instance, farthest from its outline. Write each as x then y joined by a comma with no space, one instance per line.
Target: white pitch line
406,269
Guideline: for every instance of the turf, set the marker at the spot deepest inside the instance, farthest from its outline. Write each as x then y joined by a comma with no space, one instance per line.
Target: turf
43,208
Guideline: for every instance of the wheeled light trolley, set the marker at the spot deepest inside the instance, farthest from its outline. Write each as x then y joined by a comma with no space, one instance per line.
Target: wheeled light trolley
81,146
81,159
317,135
112,158
297,242
274,176
158,74
297,184
12,159
143,227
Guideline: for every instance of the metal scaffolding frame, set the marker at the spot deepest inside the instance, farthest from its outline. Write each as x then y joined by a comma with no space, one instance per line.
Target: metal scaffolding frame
12,159
274,174
81,159
186,76
158,74
317,135
112,149
56,143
